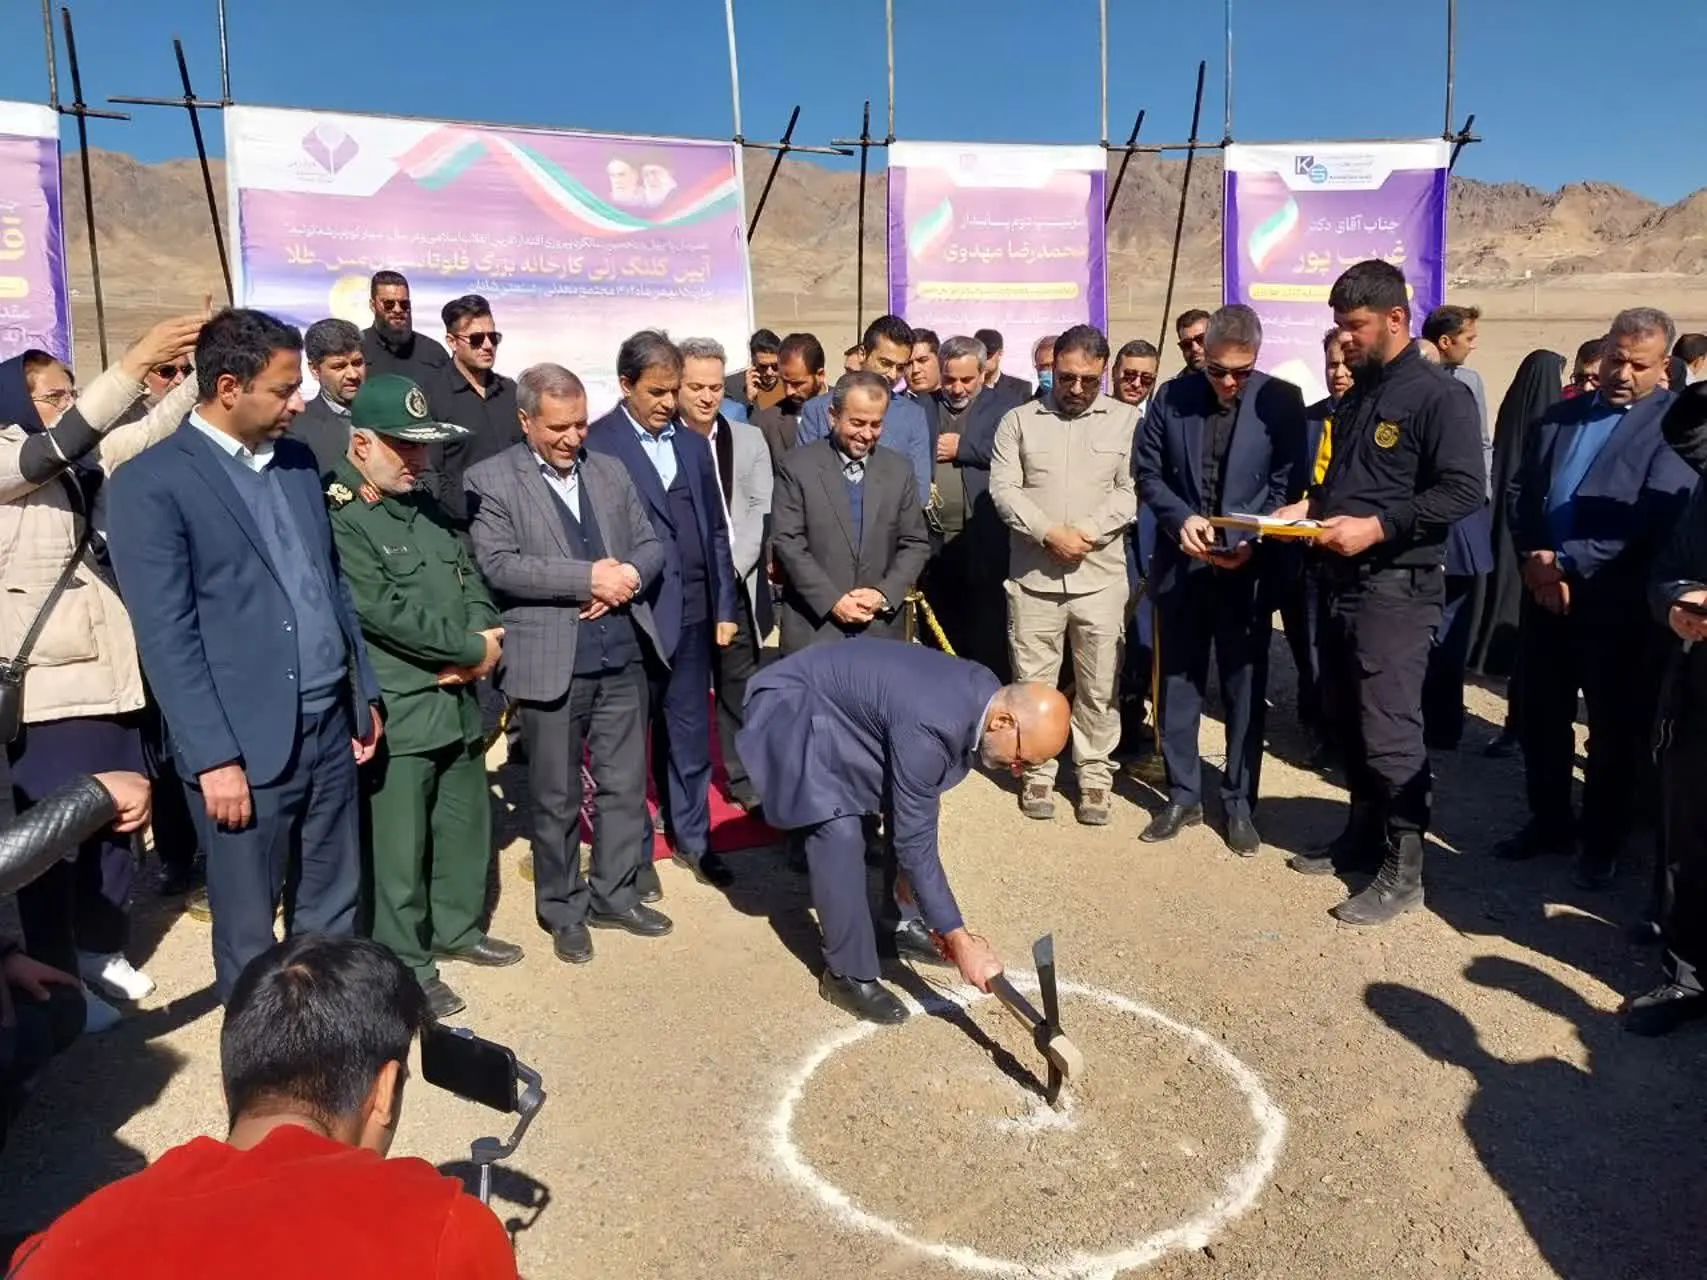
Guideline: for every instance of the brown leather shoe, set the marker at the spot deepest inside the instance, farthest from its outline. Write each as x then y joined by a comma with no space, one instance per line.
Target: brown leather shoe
1093,807
1038,801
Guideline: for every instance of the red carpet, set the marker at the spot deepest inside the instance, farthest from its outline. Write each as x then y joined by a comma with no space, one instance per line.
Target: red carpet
732,829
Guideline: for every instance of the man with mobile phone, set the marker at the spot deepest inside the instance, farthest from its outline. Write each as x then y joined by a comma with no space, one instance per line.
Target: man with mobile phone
1226,440
313,1051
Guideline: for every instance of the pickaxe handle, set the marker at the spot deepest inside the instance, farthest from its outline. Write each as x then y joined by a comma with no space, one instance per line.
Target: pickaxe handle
1061,1052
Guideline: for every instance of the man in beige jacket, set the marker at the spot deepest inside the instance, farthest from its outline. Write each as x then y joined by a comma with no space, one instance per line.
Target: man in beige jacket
1061,477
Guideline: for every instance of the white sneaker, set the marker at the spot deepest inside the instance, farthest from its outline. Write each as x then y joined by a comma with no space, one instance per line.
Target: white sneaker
114,975
100,1015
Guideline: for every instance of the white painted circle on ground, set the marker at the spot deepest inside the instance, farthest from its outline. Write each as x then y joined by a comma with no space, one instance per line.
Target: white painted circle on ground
1239,1192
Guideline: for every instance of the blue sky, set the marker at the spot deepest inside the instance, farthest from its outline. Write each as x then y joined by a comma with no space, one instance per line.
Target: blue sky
1012,70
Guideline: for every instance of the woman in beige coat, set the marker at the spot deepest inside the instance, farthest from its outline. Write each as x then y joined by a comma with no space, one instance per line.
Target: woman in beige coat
83,691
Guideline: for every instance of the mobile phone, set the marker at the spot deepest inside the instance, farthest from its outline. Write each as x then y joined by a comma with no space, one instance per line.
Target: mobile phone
1691,606
460,1062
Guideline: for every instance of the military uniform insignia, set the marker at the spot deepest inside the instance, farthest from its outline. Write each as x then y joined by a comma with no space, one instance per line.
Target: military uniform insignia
339,494
1387,435
415,403
370,495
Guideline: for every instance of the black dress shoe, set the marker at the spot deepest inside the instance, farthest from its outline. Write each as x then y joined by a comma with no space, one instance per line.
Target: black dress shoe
1502,747
910,940
1242,837
573,944
442,1002
489,953
178,879
868,1001
1534,840
640,920
707,868
1665,1008
1173,819
646,881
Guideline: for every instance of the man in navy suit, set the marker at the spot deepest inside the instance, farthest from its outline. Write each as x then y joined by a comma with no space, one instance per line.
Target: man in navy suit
1592,504
839,731
1226,440
223,550
693,601
886,351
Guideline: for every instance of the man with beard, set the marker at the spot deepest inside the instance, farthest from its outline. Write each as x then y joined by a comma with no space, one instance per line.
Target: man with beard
1191,327
800,374
333,349
840,731
1061,478
1132,381
1406,463
474,396
963,579
1227,440
758,386
391,344
888,351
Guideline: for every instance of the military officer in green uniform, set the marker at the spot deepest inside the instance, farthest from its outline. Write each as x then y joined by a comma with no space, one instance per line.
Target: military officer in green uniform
432,631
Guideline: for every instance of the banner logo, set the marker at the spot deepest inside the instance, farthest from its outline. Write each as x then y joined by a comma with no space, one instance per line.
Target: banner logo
329,147
1307,167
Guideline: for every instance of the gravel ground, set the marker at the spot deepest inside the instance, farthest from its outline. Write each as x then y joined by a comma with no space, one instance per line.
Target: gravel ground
1458,1097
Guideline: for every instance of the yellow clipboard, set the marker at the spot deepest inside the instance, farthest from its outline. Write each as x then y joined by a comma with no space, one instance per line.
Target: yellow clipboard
1269,527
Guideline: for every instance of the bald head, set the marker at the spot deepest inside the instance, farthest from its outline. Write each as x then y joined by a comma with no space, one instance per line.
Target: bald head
1027,725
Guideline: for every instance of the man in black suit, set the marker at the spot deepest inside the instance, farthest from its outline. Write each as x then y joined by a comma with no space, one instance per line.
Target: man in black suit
476,397
969,560
801,377
333,349
1592,504
1226,440
1015,390
391,344
847,527
693,602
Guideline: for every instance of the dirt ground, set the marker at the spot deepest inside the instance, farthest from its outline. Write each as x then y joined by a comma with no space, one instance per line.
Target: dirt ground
1456,1095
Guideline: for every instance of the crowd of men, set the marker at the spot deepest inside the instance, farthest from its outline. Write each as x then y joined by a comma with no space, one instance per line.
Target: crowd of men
333,601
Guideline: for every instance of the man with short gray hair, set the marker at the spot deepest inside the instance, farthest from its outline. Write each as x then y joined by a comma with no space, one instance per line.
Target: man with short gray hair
963,580
333,350
1227,440
742,460
1592,506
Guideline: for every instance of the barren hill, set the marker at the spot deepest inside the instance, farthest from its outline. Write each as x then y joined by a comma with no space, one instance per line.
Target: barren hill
157,247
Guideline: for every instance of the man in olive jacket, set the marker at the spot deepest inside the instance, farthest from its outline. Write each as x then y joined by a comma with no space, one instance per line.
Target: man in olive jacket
432,631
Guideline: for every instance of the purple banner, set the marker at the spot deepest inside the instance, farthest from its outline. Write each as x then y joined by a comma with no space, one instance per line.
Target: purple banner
35,303
1000,237
577,240
1297,215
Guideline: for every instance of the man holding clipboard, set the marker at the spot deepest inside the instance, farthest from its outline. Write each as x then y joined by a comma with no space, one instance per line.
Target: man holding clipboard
1226,439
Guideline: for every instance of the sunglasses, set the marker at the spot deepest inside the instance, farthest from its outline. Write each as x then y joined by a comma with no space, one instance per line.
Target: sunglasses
1222,371
480,339
1087,381
1186,344
166,372
392,304
1139,376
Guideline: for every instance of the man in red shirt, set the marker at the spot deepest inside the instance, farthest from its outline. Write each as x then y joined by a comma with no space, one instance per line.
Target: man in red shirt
316,1036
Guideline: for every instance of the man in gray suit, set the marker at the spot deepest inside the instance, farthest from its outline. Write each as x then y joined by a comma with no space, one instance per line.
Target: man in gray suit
848,529
566,561
742,460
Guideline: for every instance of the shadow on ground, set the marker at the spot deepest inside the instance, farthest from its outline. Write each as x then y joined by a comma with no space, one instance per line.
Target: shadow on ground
1602,1162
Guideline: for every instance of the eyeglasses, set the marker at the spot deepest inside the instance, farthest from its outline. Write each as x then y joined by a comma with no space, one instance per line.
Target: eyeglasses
166,372
480,339
1139,376
1187,342
1077,381
392,304
61,399
1222,371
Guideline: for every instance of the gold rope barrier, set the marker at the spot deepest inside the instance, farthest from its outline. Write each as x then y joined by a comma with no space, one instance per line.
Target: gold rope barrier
919,607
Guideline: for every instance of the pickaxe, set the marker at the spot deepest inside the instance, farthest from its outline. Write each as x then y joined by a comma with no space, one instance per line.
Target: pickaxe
1066,1063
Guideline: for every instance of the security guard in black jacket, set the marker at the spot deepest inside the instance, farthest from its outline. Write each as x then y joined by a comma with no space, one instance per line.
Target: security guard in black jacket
1405,463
